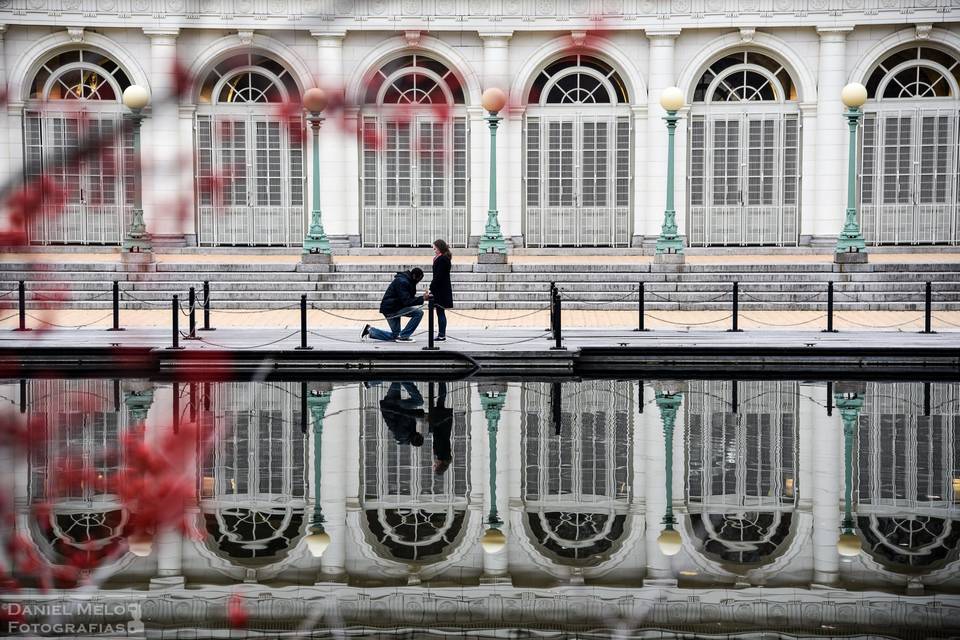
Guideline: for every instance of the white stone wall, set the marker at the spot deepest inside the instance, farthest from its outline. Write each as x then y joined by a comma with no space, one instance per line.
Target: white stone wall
824,47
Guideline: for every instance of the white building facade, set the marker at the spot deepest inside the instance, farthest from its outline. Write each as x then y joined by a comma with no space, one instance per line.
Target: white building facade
404,150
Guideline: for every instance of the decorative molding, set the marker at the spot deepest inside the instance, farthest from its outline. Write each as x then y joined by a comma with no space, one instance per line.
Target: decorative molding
923,31
747,34
245,36
75,34
413,38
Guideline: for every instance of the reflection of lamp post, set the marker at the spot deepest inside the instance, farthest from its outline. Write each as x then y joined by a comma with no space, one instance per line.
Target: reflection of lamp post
669,243
318,540
850,244
316,244
849,403
492,400
669,399
492,247
137,246
139,398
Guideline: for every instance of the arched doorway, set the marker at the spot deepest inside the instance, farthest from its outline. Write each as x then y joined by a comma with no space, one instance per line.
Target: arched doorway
250,154
908,184
577,169
414,170
743,178
75,105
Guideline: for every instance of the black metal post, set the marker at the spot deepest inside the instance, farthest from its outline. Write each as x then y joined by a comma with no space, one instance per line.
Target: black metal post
206,307
303,324
558,322
23,395
640,395
206,396
736,307
116,307
193,403
640,307
734,401
22,306
926,399
176,322
303,408
829,398
176,407
116,395
928,308
193,314
553,297
430,346
830,328
556,406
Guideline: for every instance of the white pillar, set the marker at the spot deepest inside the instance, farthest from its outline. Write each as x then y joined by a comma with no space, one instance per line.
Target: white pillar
336,144
659,566
333,484
827,459
659,76
479,170
831,156
185,116
808,188
162,201
638,114
510,193
5,160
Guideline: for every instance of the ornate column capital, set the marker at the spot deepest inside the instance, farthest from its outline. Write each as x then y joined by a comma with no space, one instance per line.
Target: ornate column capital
663,35
166,35
833,34
495,38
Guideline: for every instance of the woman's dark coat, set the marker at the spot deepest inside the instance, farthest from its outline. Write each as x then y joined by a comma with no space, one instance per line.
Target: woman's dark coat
440,283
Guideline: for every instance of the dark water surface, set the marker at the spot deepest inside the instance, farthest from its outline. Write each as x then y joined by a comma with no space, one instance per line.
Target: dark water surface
595,508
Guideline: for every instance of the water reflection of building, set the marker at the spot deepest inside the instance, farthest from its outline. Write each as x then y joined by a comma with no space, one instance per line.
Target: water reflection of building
762,472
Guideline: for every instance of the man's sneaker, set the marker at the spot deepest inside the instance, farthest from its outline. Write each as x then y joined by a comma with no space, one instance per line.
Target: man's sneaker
365,332
402,339
440,339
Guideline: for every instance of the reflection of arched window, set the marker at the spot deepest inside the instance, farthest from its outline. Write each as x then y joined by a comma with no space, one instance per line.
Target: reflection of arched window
577,158
253,483
249,169
414,171
907,463
744,173
84,523
74,102
908,186
412,513
576,483
741,467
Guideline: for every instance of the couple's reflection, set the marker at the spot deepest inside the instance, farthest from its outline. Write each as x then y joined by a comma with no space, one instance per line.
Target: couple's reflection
402,415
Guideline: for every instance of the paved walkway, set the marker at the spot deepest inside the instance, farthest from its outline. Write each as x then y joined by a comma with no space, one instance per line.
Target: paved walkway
425,257
501,319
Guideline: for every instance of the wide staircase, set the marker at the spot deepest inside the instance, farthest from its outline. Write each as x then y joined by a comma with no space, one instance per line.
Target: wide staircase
601,286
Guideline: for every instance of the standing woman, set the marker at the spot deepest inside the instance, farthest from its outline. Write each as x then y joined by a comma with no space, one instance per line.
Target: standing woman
440,286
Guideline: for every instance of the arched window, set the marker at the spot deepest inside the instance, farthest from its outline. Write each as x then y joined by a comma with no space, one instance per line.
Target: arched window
907,505
741,486
577,470
74,103
249,169
577,160
908,173
414,171
414,514
253,479
743,180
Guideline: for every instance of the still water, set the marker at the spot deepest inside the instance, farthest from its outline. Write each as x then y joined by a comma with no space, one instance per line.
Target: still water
594,508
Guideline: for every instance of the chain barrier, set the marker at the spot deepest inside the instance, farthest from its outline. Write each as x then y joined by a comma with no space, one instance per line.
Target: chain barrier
253,311
941,319
707,301
877,326
543,335
906,297
525,315
805,300
141,301
184,334
777,324
690,324
337,315
69,326
12,291
12,315
585,301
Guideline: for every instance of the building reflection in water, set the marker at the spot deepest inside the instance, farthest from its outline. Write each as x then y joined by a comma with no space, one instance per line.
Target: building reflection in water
486,498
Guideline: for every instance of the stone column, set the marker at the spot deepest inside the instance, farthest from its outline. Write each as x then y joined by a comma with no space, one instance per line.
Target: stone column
830,176
495,564
5,160
333,483
827,483
659,76
163,206
638,115
808,167
479,169
338,174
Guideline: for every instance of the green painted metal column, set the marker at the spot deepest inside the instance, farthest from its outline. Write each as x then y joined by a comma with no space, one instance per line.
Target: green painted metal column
492,240
492,402
669,241
318,540
850,239
316,240
669,403
850,406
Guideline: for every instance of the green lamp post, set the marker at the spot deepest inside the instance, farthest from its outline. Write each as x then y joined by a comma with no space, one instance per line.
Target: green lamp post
137,245
492,248
316,244
669,243
850,404
492,401
318,540
850,244
669,401
139,399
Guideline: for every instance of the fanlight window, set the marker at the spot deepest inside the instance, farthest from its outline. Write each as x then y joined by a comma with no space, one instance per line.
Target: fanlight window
417,535
578,79
915,72
752,537
745,76
248,78
910,543
81,75
414,80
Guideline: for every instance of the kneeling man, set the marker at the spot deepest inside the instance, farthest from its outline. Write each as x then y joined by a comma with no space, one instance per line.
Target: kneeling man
400,300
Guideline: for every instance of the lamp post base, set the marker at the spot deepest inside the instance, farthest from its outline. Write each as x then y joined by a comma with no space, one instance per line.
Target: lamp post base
850,257
316,258
491,257
137,257
669,258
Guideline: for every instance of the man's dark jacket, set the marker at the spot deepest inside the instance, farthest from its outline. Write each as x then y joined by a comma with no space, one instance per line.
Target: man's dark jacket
401,293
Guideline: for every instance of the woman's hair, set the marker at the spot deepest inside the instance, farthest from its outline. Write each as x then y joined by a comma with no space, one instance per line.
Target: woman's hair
442,247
